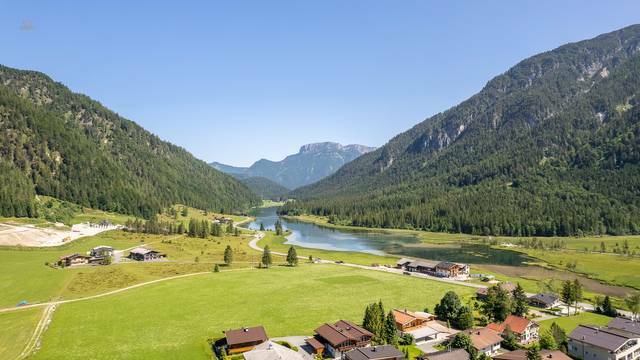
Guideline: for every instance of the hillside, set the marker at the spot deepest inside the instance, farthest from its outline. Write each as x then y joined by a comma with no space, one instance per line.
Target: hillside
312,163
265,188
58,143
552,146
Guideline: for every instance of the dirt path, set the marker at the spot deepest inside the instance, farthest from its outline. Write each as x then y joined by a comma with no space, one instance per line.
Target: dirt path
34,342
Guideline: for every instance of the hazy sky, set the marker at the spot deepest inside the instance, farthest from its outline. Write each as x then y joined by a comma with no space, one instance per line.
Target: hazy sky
234,81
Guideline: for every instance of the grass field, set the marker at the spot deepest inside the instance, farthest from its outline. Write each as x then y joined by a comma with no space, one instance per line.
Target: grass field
16,329
568,323
175,318
197,214
276,243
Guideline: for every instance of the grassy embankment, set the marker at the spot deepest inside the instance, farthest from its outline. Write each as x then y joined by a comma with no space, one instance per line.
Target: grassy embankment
568,323
174,319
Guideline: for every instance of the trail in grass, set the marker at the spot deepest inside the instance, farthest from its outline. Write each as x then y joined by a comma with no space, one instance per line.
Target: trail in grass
34,342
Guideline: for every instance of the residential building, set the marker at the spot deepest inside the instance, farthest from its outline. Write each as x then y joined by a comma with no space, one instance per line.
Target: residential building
270,350
422,266
450,269
101,251
341,337
244,339
525,330
603,343
508,286
143,254
407,320
380,352
485,340
545,300
625,324
451,354
400,264
73,259
522,355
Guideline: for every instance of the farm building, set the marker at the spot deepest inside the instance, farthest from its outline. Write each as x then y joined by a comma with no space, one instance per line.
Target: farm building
450,269
244,339
525,330
379,352
434,268
143,254
545,300
341,337
73,259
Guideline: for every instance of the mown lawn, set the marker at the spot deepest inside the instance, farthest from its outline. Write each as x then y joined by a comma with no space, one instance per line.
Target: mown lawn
173,320
568,323
15,330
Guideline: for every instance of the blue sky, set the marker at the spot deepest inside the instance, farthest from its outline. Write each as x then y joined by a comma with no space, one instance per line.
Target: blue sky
234,81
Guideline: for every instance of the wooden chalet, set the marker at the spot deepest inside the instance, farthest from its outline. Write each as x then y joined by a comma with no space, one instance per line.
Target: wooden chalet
341,337
244,339
143,254
524,329
73,259
407,320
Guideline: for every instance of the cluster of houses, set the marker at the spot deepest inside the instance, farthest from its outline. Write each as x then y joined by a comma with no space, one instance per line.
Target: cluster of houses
445,269
349,341
99,255
222,220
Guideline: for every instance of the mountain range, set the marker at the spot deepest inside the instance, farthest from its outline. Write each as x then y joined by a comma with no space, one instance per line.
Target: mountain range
312,163
550,147
59,143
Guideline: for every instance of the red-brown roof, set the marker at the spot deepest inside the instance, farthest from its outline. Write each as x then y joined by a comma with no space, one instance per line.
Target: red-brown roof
317,345
517,324
522,355
246,335
484,337
342,331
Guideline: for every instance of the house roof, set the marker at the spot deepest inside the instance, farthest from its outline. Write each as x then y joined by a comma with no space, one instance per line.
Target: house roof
625,324
270,350
447,265
423,263
102,247
484,337
517,324
606,338
545,298
403,261
72,256
245,335
505,285
341,331
374,352
453,354
314,343
405,317
141,251
522,355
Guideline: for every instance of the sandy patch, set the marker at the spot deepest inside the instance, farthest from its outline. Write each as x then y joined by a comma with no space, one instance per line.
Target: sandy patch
30,235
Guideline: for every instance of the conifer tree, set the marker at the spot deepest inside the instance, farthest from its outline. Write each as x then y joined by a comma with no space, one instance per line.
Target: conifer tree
389,333
520,301
266,256
228,255
292,256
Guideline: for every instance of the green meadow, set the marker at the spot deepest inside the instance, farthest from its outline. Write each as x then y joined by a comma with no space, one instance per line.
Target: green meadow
15,331
174,319
568,323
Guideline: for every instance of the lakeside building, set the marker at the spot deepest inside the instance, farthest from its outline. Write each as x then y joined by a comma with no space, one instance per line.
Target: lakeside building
340,337
244,339
524,329
603,343
444,269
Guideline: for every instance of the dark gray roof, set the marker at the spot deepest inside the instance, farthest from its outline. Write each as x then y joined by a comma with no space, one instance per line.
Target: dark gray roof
546,298
374,352
625,324
607,338
454,354
423,263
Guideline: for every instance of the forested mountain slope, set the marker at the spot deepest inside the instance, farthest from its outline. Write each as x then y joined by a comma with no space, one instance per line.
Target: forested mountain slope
265,188
58,143
312,163
552,146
